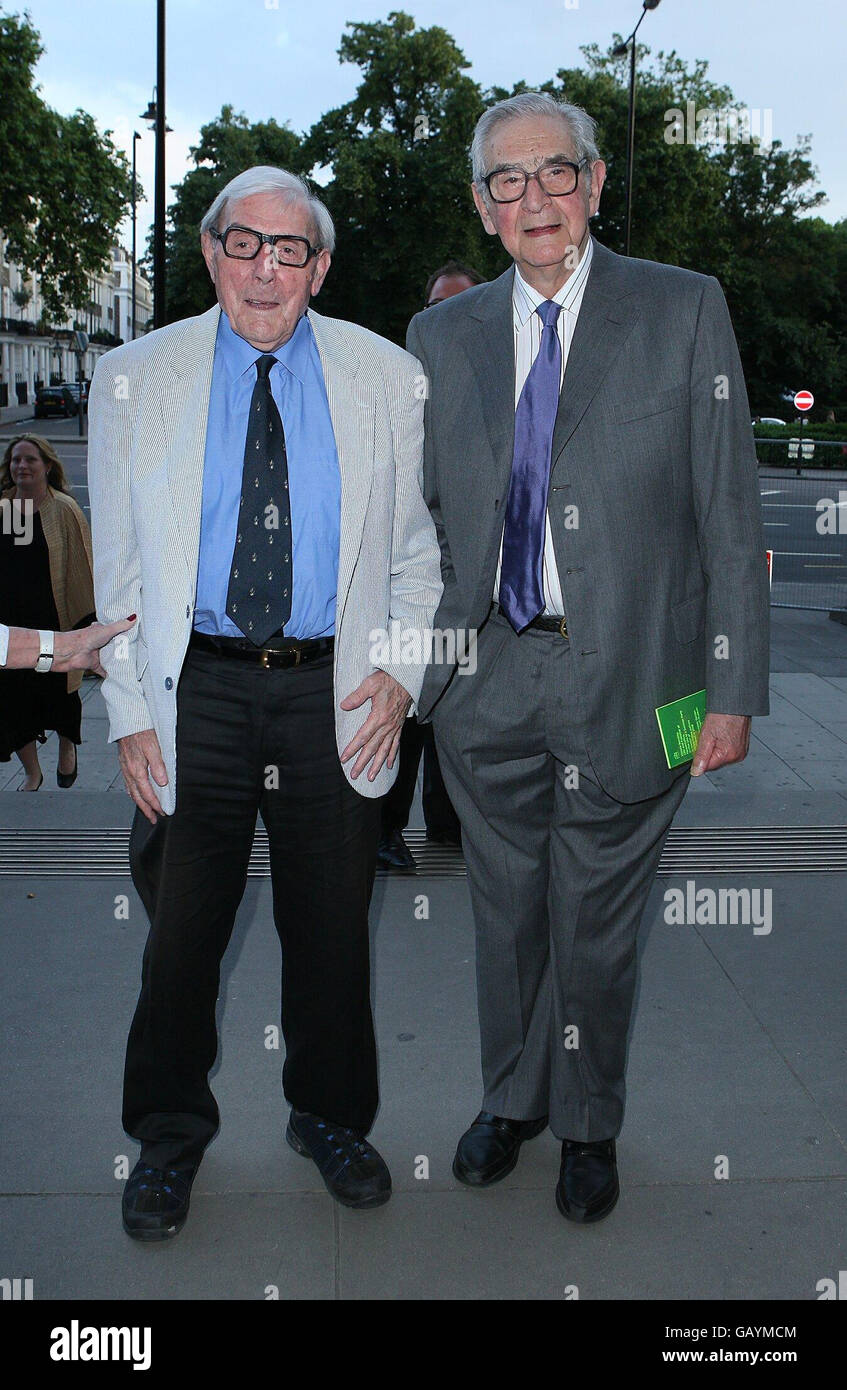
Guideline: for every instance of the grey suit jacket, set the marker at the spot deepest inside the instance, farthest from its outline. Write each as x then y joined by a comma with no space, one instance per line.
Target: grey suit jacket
662,562
147,436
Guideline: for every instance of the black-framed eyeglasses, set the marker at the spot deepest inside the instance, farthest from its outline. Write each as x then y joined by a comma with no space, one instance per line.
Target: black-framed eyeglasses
244,244
556,179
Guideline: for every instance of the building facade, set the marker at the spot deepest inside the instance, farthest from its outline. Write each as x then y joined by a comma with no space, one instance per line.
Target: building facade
35,352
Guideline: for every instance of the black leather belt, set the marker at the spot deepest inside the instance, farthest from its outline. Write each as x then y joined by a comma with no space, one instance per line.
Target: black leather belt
544,622
284,652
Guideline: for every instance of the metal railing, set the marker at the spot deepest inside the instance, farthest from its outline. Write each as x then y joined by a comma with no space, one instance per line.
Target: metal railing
805,526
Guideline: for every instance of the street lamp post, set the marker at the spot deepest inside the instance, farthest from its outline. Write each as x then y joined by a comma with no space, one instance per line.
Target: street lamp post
618,52
135,138
159,222
155,116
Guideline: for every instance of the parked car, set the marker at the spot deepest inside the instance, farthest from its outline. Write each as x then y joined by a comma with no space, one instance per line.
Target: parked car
56,400
767,420
73,387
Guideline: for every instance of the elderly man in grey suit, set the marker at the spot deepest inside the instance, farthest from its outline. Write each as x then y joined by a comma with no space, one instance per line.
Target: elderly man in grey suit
590,468
255,478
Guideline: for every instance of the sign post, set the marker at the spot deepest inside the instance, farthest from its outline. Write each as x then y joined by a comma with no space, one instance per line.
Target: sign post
80,348
803,401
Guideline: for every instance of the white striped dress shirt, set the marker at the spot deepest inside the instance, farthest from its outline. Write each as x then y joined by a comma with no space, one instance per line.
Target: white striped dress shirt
528,330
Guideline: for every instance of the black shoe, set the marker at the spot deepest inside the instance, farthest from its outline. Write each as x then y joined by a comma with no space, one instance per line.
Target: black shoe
445,837
155,1201
489,1149
353,1171
67,779
394,853
588,1180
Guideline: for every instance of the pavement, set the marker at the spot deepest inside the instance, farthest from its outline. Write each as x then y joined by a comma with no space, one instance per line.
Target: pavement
733,1154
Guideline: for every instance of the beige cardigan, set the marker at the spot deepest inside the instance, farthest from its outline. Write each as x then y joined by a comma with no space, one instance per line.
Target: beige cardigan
71,567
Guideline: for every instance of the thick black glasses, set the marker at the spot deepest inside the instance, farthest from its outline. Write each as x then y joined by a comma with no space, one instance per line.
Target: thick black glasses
244,244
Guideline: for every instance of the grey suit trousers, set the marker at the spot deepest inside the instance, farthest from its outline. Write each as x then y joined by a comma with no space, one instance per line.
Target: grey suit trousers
559,875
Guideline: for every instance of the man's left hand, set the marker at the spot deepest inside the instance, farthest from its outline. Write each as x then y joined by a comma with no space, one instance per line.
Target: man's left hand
378,739
724,738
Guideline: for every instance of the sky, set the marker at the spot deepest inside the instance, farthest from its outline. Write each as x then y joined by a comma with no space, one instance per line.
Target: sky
275,58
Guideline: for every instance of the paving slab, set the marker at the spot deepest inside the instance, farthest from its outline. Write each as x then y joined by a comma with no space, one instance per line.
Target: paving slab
718,1240
232,1247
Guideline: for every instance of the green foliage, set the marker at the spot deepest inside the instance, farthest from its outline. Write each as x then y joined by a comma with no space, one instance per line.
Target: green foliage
65,188
400,191
394,165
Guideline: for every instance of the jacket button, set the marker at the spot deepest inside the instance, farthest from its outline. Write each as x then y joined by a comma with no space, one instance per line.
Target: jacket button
187,611
169,685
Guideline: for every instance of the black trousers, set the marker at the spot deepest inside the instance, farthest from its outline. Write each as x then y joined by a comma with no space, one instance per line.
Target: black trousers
251,740
440,818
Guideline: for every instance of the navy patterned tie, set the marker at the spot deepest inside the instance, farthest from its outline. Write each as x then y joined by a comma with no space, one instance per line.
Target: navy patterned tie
258,599
521,588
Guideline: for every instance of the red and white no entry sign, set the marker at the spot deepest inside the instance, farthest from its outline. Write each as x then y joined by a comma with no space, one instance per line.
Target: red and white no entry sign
804,400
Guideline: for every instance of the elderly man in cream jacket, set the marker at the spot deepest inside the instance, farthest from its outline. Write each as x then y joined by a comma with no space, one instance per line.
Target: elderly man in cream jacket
255,480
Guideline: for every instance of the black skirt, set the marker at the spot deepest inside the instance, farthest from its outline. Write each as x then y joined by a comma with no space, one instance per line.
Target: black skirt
31,704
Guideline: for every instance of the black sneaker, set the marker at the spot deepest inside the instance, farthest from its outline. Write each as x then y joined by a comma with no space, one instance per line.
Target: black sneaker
353,1171
155,1201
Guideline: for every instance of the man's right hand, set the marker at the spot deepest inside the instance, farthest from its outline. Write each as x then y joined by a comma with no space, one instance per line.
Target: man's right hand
140,753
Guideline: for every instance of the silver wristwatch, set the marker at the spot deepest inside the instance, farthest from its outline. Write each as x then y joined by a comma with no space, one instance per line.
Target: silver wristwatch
45,659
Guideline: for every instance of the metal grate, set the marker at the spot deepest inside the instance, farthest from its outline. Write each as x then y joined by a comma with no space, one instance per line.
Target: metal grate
759,849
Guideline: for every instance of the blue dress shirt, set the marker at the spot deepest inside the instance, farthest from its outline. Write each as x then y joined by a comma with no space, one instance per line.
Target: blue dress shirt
314,480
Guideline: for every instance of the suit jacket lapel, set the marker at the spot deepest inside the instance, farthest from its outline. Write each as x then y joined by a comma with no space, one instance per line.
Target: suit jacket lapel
185,405
351,409
606,317
488,338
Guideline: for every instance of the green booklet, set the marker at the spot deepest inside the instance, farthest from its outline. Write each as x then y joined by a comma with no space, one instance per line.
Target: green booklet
680,723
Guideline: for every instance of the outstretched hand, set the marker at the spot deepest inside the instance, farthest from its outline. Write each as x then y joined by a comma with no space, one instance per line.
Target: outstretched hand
378,739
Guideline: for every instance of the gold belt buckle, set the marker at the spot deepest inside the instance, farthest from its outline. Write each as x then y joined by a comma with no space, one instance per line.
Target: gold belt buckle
563,627
268,652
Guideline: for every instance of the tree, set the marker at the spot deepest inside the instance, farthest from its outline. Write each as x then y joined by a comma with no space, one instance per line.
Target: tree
400,186
65,188
394,169
728,207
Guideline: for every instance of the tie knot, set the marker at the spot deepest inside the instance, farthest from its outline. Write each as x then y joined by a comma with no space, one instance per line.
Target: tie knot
263,366
549,312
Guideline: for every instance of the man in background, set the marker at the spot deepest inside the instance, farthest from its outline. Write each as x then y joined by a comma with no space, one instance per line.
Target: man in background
442,823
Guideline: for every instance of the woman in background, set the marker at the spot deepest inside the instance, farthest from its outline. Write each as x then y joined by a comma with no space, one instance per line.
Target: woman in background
46,582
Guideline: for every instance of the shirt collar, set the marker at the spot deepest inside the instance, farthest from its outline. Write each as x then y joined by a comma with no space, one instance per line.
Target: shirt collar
239,356
526,300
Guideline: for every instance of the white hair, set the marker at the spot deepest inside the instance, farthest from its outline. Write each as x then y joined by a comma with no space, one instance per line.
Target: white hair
581,127
265,178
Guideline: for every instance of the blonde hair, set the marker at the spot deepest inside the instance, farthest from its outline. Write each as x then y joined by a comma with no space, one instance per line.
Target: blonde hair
56,476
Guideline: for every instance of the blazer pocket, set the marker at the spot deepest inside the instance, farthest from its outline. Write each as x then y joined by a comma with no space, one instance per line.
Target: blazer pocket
141,657
650,405
689,618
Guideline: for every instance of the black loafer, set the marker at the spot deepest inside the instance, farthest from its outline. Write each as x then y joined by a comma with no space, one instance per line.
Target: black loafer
489,1150
354,1173
394,853
588,1180
155,1201
453,838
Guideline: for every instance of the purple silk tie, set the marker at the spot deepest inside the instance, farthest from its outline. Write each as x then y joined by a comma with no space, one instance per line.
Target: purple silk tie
522,568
